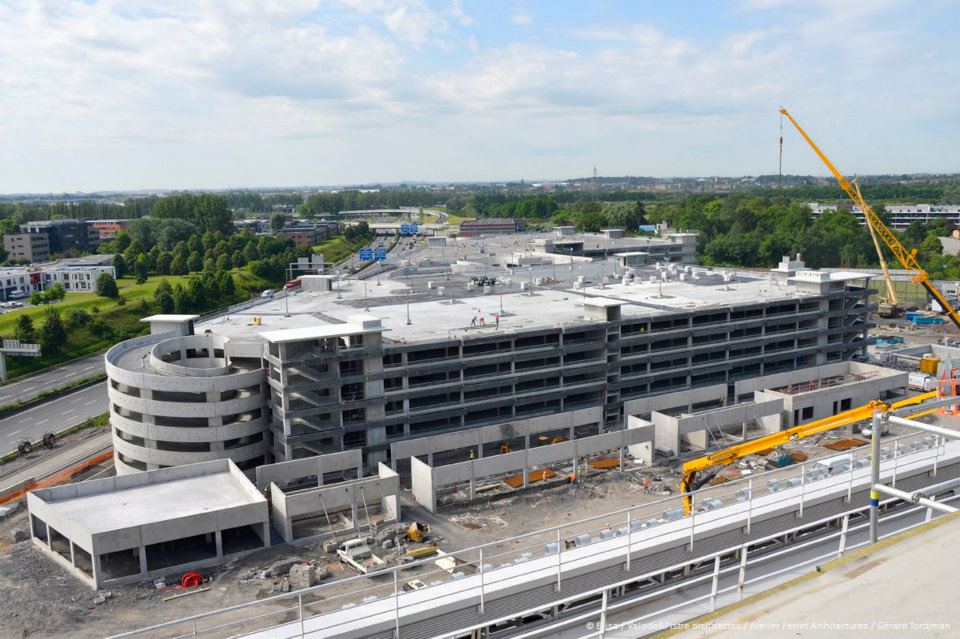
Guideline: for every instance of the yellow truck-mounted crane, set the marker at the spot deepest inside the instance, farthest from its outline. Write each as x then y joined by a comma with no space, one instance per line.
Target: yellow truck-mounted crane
907,258
693,474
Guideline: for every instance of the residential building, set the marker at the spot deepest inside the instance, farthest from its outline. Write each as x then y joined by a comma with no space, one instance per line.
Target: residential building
900,216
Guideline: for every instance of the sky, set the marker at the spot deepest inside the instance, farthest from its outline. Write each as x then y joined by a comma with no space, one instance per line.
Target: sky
170,94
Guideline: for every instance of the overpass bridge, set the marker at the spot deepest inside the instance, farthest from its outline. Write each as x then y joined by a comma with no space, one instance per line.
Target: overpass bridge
412,211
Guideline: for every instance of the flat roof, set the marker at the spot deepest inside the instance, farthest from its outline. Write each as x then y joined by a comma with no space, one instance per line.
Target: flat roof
319,331
162,497
169,318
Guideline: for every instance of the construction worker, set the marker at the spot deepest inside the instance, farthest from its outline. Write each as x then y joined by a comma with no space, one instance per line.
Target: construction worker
473,322
472,454
497,319
483,322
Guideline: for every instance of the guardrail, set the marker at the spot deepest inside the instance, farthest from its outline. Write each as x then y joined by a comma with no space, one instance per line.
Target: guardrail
486,570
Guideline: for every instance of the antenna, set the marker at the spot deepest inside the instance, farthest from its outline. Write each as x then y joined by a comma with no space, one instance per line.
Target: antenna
780,166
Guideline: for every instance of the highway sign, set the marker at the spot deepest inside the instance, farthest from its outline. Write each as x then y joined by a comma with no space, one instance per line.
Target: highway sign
366,254
380,254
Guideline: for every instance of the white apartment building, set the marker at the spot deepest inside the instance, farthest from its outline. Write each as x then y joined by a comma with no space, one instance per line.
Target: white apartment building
902,215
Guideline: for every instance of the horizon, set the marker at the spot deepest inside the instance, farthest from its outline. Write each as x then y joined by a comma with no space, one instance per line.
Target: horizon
104,97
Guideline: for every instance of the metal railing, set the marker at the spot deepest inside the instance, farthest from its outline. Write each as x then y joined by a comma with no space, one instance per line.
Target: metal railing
482,571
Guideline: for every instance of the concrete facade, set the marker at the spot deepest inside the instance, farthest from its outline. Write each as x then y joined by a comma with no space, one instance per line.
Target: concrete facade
26,246
129,528
812,394
183,398
307,514
435,357
429,481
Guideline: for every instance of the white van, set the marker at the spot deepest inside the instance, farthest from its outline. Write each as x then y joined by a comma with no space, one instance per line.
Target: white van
267,294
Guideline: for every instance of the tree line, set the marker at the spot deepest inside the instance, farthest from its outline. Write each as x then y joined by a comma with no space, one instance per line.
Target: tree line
751,231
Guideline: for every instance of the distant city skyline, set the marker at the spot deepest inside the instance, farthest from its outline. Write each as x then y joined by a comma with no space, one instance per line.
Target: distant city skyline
166,95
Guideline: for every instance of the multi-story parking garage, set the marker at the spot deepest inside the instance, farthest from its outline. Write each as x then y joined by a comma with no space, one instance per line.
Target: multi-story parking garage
179,398
356,364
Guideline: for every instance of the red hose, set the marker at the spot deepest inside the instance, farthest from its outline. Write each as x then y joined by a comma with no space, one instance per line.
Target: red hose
191,580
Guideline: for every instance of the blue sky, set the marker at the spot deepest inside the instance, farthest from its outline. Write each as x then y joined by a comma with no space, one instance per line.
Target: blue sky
184,94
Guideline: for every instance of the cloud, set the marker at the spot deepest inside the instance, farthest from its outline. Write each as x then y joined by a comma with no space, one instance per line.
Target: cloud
522,19
179,93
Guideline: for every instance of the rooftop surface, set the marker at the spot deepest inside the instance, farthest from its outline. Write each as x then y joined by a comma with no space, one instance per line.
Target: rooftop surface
555,301
427,292
153,503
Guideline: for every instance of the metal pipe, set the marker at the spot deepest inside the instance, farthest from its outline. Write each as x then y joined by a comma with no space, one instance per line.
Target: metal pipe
875,479
946,485
936,430
913,497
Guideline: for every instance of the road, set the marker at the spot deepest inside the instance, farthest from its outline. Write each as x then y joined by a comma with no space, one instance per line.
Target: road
48,380
55,415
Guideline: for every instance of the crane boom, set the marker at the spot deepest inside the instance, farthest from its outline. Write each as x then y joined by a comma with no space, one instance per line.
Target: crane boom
691,470
906,257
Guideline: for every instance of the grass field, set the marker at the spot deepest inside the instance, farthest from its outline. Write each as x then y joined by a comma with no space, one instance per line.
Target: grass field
454,220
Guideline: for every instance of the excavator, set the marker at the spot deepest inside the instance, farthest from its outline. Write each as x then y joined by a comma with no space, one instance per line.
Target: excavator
697,472
906,257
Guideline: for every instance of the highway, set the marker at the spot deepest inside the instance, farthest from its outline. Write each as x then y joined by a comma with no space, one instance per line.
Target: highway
28,387
55,415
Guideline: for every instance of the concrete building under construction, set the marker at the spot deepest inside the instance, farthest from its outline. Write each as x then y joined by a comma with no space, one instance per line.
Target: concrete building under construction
463,342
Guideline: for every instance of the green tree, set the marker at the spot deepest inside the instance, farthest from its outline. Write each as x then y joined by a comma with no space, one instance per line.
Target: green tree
181,299
178,266
25,332
163,263
195,262
107,286
53,335
78,318
140,268
589,221
931,246
227,286
120,264
55,293
36,298
277,222
163,298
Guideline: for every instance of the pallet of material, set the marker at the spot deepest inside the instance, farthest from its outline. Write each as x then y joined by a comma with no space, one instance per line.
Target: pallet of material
845,444
516,481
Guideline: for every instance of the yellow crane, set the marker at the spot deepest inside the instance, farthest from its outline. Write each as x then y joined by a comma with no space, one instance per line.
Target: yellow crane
906,257
693,474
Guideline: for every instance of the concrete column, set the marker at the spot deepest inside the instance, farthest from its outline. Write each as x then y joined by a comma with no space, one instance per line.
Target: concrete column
218,538
142,551
97,570
266,534
73,559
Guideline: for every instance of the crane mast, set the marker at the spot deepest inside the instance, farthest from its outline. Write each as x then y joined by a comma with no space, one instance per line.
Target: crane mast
906,257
